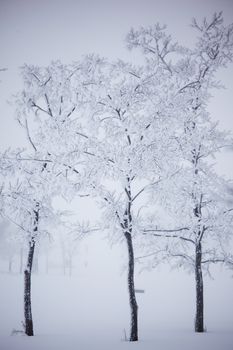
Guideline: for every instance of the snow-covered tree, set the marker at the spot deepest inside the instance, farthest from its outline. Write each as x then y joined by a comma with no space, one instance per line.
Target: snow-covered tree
200,228
26,201
195,195
48,111
128,155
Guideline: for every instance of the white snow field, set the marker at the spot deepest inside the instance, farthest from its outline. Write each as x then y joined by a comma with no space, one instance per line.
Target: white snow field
89,310
160,340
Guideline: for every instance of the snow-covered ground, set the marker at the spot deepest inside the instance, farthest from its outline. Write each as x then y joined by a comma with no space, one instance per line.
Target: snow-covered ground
161,340
89,310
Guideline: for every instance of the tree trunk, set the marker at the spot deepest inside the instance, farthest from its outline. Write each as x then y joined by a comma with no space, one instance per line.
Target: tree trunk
27,277
199,320
132,297
27,291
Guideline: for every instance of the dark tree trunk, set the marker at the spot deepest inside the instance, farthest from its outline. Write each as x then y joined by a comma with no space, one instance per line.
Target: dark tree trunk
199,320
132,297
27,291
27,278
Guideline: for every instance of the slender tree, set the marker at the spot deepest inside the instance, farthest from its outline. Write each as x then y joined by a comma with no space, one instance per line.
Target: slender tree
195,238
192,72
26,202
46,110
127,156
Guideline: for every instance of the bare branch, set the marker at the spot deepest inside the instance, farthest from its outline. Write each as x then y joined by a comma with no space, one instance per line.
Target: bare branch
170,236
214,261
164,230
226,211
33,104
29,137
94,155
128,194
193,85
142,136
35,76
46,82
81,134
61,102
180,255
47,161
48,105
15,223
135,75
72,111
144,188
